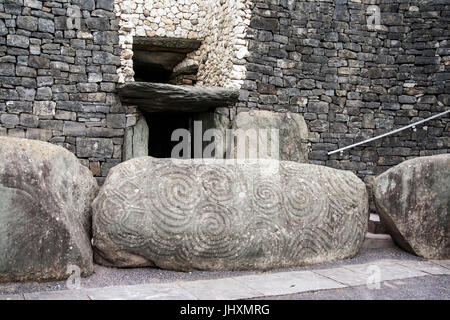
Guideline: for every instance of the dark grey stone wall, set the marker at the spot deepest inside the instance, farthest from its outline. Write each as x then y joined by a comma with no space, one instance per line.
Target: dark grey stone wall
57,80
320,59
317,58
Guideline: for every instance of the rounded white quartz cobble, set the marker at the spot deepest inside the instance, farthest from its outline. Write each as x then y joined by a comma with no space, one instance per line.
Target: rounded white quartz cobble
221,25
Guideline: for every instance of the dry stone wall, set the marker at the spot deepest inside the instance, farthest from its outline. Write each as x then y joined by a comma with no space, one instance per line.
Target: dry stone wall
318,58
351,82
58,74
221,25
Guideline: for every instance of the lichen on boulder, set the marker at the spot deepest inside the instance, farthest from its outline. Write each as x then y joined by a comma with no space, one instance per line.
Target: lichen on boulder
45,211
413,201
226,215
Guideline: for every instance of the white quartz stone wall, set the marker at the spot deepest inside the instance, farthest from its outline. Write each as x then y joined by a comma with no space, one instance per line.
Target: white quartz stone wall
220,24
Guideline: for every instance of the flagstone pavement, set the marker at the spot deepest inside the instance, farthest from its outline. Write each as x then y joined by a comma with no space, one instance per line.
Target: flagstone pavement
260,285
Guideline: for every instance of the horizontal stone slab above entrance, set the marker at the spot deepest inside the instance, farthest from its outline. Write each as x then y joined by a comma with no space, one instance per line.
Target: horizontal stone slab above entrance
161,97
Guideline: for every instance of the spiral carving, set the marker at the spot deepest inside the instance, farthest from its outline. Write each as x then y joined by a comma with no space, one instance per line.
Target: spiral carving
211,237
304,202
216,216
268,239
345,204
178,190
311,244
267,197
217,182
174,195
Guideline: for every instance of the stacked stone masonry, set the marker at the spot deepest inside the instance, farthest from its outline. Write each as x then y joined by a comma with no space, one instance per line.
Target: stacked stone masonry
221,25
317,58
350,82
58,75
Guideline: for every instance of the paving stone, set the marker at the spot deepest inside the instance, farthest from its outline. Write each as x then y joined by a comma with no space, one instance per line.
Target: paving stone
288,282
345,276
219,289
425,266
58,295
388,270
253,286
11,297
156,291
443,263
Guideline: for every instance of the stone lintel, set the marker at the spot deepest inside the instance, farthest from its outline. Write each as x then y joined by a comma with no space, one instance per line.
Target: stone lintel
161,97
166,44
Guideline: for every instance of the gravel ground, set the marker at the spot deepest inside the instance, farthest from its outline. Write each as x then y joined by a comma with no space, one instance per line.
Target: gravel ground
420,288
104,277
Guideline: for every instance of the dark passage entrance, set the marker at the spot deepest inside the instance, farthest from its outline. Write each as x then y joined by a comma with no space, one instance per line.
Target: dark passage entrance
155,66
154,59
161,126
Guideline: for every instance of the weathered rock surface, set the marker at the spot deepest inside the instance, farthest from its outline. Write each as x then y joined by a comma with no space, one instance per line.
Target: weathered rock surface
45,216
157,97
214,120
166,44
413,200
136,140
222,215
292,129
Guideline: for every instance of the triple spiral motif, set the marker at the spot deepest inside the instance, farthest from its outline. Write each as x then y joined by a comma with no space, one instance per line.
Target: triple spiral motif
189,215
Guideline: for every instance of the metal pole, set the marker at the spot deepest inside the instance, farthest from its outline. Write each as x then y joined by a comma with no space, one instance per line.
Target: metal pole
413,125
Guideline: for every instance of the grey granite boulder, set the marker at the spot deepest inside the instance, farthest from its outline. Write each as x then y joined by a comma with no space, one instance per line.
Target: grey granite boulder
413,201
292,131
222,215
45,217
